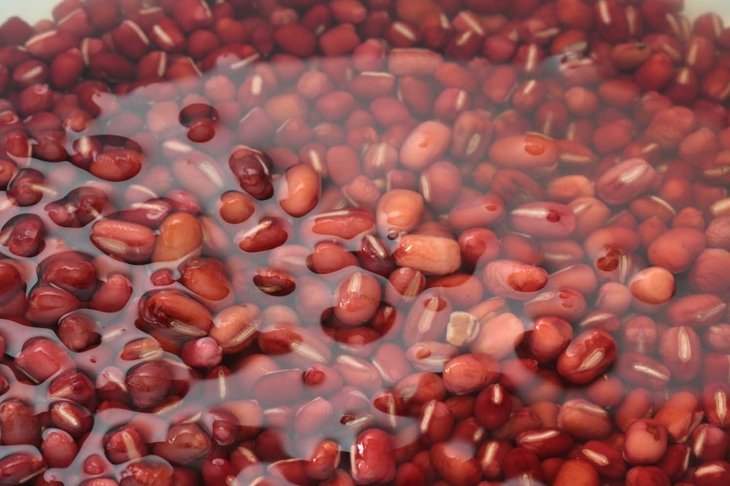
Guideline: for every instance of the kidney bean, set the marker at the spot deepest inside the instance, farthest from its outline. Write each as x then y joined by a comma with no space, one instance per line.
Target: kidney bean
18,424
268,234
567,304
183,444
478,210
717,233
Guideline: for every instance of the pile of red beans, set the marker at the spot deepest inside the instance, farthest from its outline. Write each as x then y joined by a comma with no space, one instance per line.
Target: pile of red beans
350,242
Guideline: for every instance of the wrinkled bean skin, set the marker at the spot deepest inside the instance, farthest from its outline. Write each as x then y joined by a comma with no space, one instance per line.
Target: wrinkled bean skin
433,255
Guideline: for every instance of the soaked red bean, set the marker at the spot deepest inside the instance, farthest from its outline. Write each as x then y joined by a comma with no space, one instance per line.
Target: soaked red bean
409,242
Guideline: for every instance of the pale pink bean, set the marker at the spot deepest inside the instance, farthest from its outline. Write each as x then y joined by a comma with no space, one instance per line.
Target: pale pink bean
514,280
524,151
584,420
548,338
646,442
432,255
431,355
202,353
476,210
180,234
299,190
357,299
543,219
499,336
399,211
425,144
653,285
126,241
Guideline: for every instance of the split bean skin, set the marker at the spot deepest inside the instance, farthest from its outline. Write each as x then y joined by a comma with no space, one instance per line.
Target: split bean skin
382,242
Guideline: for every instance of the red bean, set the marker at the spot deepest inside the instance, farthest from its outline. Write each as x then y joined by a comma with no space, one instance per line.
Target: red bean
426,143
706,275
149,384
528,151
545,220
469,373
514,280
587,356
676,249
372,459
653,285
126,241
679,415
399,210
357,298
433,255
183,444
712,473
646,442
301,191
493,406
